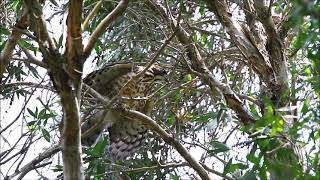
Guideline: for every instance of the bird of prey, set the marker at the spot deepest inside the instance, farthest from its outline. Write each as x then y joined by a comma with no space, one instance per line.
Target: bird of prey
121,81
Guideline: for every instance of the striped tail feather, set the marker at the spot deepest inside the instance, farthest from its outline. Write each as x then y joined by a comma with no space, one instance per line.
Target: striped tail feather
126,137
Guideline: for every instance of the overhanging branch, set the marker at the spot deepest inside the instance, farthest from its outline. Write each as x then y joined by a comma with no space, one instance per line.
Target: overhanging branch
118,11
200,68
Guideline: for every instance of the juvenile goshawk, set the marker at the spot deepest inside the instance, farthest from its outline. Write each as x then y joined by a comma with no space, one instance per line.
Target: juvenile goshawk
126,135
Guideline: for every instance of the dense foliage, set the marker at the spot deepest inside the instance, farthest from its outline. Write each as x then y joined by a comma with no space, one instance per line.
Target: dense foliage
231,117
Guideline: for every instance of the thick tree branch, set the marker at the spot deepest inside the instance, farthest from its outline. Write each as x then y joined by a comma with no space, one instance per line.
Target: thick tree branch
118,11
70,94
241,38
6,53
66,79
74,45
276,52
202,70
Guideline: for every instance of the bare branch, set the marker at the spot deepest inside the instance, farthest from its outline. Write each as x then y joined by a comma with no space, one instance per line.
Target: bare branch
70,92
30,84
31,165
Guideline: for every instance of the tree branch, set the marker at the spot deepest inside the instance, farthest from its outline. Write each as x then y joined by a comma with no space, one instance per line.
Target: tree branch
151,124
6,53
202,70
118,11
142,169
32,164
92,13
70,92
242,39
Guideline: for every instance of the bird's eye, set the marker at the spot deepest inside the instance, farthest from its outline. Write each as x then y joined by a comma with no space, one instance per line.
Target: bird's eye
159,71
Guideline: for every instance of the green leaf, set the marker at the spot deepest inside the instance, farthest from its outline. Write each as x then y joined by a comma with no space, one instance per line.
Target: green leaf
50,115
24,43
45,134
229,168
57,168
60,41
174,177
188,77
217,147
99,148
32,125
307,70
33,114
34,71
4,31
42,114
250,175
170,120
204,117
252,158
202,8
305,107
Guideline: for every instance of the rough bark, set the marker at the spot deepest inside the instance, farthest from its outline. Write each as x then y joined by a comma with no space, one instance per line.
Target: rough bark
67,81
269,61
200,68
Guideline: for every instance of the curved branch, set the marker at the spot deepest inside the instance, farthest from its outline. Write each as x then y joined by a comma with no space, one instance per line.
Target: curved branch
200,68
150,123
6,53
92,13
121,7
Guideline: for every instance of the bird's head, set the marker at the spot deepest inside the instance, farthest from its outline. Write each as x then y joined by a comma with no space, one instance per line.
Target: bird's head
154,74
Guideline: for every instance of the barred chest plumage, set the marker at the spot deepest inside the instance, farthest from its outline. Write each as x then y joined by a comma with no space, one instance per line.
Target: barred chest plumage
125,135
